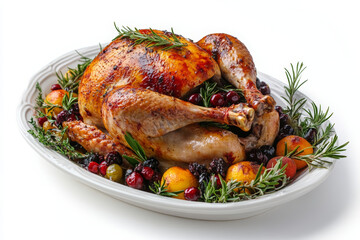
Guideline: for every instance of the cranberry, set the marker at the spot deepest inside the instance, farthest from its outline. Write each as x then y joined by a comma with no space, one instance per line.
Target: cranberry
217,100
102,168
55,87
195,98
192,194
41,120
232,97
135,180
71,117
93,167
147,173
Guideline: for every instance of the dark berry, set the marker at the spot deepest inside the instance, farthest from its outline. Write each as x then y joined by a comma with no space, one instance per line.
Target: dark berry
41,120
217,100
147,173
156,177
268,150
285,131
192,194
258,82
113,157
61,117
232,97
218,166
195,99
258,156
279,109
102,168
135,180
55,87
138,167
265,89
284,119
71,117
94,157
93,167
151,162
197,169
310,135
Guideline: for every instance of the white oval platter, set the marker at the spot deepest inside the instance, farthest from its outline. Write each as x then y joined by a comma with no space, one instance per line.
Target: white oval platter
304,183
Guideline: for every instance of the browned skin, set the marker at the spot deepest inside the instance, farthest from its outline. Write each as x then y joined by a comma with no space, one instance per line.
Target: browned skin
136,89
121,63
93,139
237,67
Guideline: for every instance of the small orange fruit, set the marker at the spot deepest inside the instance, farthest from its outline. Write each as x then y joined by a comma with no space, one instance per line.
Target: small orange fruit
55,97
292,142
178,179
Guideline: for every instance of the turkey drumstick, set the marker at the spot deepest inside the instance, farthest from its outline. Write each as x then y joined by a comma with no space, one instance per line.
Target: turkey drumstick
237,67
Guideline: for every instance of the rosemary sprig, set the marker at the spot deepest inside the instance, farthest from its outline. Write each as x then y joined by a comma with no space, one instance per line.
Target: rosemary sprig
160,189
71,79
266,181
68,101
56,140
327,149
207,91
153,39
138,150
294,83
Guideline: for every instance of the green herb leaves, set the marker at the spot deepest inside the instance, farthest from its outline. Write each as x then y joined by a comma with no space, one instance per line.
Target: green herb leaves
160,189
138,150
152,39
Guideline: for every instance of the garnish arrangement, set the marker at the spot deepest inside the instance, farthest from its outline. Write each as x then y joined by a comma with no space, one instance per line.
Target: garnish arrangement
305,140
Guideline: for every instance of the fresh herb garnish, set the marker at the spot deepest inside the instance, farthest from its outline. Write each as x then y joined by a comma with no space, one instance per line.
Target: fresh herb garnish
160,189
71,79
266,181
153,39
138,150
56,140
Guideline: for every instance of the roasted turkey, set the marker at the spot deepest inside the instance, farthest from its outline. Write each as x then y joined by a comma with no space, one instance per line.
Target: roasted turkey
142,90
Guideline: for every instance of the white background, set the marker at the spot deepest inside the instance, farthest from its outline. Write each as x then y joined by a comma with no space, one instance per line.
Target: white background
38,201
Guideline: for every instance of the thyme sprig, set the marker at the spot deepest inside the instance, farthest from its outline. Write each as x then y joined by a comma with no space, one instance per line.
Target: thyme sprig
266,181
159,188
56,140
137,148
71,79
153,39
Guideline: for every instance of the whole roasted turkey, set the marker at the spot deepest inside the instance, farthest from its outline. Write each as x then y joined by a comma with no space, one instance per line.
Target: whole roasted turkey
142,90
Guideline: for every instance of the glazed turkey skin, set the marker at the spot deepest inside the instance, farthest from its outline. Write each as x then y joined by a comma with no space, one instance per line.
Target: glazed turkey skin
173,72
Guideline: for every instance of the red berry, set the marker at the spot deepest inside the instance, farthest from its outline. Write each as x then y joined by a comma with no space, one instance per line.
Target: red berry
192,194
195,98
41,120
135,180
217,100
93,167
218,181
102,168
232,97
55,87
147,173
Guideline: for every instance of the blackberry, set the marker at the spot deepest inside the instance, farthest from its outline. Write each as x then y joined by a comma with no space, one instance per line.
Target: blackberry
197,169
259,156
268,150
61,117
265,89
93,157
138,168
113,157
152,163
285,131
218,166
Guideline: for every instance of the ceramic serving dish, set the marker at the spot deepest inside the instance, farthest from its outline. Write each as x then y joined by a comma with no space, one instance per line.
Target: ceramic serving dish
304,183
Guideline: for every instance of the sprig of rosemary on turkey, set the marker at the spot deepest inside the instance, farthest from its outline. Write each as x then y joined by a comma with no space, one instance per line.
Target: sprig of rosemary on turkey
266,181
137,149
152,39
